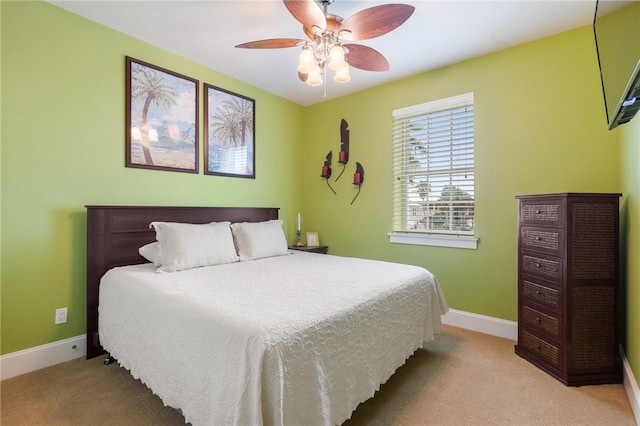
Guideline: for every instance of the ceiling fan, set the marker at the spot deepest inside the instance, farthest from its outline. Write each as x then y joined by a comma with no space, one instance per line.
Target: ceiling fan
327,34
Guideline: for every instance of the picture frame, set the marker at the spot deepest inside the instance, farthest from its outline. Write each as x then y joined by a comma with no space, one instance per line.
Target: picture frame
229,133
312,239
161,128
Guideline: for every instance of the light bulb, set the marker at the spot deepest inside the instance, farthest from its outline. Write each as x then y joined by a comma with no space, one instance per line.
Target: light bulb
342,74
336,57
315,77
307,61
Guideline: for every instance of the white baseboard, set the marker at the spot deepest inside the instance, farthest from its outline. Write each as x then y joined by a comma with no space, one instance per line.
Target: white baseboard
482,324
631,387
32,359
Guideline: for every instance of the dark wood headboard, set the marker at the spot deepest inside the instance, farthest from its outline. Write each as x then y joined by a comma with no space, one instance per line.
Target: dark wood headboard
114,234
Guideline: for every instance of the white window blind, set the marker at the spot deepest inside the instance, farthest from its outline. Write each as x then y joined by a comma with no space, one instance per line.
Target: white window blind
433,164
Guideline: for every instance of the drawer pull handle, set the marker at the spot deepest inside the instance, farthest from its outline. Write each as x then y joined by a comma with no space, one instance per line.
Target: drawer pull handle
537,265
538,320
538,212
539,348
537,238
538,292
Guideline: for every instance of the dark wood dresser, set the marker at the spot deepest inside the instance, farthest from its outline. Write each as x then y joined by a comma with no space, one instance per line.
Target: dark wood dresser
568,320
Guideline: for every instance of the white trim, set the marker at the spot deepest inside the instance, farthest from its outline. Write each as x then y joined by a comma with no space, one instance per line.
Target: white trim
482,324
452,241
437,105
38,357
631,387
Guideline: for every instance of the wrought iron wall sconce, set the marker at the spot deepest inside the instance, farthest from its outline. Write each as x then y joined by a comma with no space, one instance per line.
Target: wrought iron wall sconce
343,158
358,179
343,155
326,170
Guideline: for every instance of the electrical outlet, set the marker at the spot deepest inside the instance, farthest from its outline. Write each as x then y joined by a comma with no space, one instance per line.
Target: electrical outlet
61,316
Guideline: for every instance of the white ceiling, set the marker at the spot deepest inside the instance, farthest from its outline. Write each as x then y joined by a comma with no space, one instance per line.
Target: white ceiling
439,33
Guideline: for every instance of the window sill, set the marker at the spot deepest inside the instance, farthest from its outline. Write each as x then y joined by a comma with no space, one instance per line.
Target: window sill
434,240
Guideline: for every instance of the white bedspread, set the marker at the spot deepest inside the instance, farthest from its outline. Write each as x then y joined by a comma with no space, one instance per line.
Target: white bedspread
299,339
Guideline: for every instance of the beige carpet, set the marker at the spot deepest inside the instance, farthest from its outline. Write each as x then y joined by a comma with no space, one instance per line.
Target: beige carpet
464,378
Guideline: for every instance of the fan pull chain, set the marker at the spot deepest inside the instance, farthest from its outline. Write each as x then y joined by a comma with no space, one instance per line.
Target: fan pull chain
324,80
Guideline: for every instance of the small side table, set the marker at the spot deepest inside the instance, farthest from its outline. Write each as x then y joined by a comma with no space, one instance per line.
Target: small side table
316,249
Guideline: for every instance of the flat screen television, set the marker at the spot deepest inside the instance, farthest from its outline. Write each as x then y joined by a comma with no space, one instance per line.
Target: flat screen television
616,27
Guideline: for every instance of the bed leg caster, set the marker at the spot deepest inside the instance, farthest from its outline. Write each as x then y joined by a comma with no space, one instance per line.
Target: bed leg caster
109,360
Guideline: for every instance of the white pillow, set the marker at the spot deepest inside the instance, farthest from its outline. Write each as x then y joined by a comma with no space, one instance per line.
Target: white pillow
255,240
151,252
187,245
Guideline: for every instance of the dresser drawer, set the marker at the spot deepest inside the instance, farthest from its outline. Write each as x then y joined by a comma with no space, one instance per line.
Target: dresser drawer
541,239
547,267
541,212
533,318
543,295
544,350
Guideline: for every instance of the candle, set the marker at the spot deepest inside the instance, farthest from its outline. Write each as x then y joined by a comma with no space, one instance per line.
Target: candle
298,221
326,171
357,178
342,156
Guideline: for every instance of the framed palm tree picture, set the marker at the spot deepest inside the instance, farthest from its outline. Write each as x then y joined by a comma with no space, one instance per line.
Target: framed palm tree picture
161,118
229,141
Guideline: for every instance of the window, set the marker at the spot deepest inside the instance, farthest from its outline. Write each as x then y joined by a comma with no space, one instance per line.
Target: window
433,173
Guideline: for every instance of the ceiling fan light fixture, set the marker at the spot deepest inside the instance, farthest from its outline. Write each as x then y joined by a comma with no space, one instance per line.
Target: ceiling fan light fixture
307,61
326,32
336,57
342,74
315,77
314,80
344,34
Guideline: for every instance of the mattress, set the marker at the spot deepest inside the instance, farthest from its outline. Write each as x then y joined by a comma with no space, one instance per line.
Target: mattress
287,340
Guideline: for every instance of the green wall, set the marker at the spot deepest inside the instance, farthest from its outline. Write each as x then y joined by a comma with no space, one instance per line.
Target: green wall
540,127
63,148
630,238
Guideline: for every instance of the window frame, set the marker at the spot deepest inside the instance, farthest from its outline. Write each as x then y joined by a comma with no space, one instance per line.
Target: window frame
430,237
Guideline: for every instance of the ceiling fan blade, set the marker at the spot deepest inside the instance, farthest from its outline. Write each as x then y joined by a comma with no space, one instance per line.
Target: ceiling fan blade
365,58
376,21
271,43
307,12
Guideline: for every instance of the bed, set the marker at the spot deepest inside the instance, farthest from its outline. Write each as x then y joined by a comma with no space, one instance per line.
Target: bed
296,338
